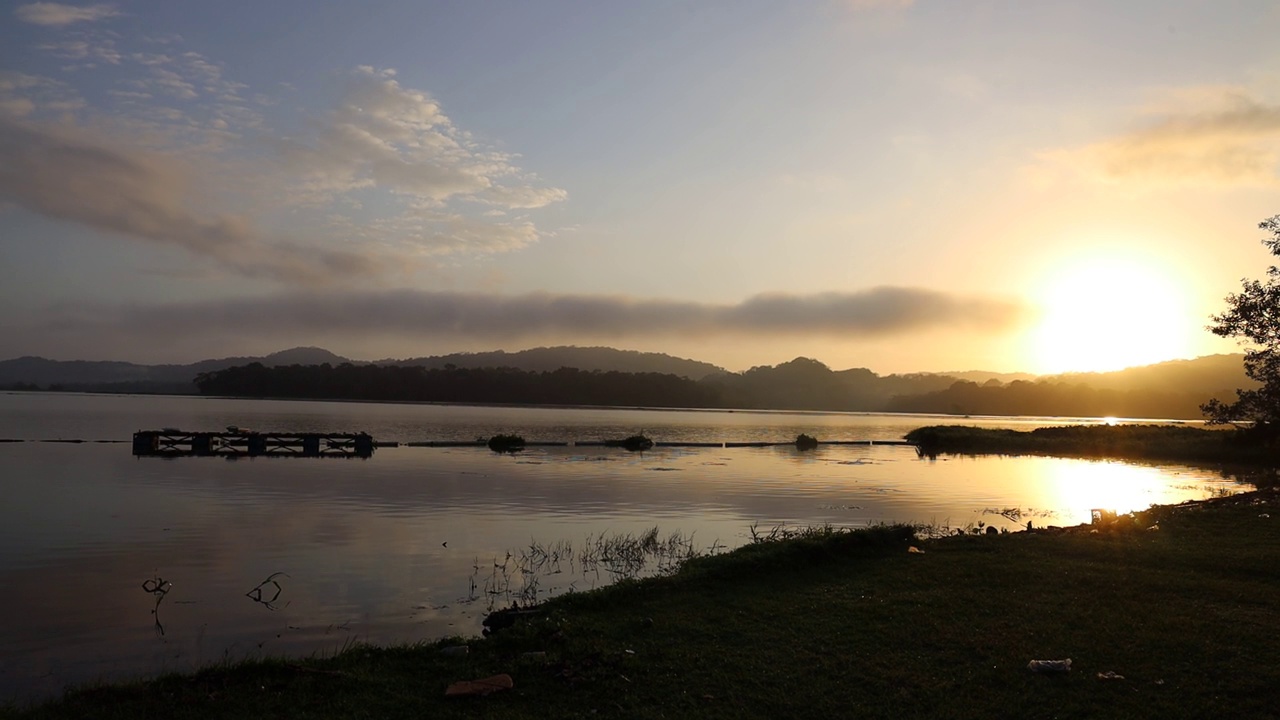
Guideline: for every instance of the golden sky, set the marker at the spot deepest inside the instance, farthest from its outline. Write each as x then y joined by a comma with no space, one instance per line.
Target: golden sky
904,186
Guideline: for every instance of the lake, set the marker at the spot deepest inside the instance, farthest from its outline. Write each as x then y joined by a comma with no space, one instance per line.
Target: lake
114,566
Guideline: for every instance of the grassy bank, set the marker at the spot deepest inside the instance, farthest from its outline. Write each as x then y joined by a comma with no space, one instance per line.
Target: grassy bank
838,625
1170,443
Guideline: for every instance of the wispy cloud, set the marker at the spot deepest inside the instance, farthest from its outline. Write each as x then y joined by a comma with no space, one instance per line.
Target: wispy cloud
383,135
879,4
1215,137
172,122
22,95
84,48
57,14
417,316
62,174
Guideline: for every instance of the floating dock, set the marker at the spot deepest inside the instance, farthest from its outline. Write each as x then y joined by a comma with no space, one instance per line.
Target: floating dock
239,442
246,443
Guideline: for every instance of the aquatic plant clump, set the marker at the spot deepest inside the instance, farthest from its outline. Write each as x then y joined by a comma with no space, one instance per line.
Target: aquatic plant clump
806,442
634,443
506,443
530,575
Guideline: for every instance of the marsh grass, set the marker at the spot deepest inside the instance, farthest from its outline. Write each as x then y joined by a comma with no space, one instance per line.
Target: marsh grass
529,575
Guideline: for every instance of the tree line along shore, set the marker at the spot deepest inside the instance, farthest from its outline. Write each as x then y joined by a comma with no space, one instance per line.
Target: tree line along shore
801,384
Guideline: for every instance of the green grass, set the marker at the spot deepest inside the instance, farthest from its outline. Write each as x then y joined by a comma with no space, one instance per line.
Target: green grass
1130,442
837,624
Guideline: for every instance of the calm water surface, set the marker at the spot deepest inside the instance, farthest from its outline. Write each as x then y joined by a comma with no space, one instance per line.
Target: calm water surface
295,556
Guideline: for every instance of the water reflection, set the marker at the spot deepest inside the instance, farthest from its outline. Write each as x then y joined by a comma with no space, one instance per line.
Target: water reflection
298,556
1078,486
35,416
1064,491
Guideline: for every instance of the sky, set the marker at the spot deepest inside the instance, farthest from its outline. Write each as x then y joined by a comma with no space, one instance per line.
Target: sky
901,185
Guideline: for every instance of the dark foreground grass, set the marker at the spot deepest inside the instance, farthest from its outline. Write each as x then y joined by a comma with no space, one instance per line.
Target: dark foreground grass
1130,442
838,625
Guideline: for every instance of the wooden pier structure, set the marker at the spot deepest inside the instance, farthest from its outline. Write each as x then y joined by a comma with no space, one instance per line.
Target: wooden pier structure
239,442
171,442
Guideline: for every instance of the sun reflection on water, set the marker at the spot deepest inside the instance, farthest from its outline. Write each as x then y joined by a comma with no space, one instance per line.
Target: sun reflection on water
1076,487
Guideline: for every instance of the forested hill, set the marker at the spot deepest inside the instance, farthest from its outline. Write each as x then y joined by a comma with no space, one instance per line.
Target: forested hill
801,384
565,386
1209,373
545,359
1173,389
605,376
1061,399
110,376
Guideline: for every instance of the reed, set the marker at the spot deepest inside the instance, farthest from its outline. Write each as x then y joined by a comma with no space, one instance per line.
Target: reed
529,575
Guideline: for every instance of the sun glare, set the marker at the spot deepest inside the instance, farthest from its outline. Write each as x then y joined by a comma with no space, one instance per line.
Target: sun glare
1108,313
1078,486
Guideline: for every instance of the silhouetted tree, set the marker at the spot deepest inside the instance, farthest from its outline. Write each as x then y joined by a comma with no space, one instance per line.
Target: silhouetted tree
1253,315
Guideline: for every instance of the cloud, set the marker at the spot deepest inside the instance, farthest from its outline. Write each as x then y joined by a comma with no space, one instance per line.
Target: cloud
16,106
383,135
57,14
878,4
419,316
524,198
1224,138
384,175
84,48
63,174
22,95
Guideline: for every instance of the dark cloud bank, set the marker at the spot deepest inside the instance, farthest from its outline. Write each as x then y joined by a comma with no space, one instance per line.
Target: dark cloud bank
416,316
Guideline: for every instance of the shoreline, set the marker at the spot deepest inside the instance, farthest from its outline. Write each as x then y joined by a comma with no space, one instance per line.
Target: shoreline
1177,599
1228,449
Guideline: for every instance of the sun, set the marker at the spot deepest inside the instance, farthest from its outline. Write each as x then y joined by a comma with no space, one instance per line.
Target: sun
1108,312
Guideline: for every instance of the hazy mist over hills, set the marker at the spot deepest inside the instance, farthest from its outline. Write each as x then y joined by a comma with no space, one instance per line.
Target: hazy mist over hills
1208,372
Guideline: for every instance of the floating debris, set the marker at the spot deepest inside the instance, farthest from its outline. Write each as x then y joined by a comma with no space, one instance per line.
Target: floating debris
1050,667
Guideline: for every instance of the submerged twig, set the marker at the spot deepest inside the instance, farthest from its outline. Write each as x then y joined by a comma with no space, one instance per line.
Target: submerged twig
159,587
257,595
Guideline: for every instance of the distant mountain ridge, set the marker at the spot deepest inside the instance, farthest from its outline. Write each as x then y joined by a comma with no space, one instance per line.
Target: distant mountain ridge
981,376
548,359
1212,373
1174,388
115,376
